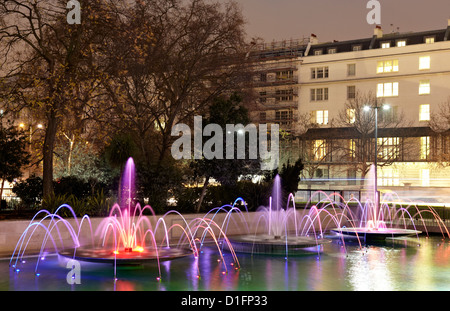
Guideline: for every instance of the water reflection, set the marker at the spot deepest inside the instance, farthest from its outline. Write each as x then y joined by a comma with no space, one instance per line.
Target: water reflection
378,267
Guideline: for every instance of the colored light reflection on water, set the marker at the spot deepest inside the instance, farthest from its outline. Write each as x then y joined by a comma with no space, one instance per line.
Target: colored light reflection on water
386,266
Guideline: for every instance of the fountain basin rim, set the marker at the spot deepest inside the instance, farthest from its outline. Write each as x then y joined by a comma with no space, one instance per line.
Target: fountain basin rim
97,255
368,234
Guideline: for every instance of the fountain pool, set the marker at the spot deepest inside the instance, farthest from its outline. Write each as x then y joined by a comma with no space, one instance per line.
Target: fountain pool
389,265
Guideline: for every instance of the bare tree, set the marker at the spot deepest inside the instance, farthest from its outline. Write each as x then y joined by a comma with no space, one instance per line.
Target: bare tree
440,123
195,53
45,60
359,116
440,120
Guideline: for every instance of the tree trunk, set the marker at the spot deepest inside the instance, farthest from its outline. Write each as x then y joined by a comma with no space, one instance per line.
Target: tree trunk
1,190
202,196
48,148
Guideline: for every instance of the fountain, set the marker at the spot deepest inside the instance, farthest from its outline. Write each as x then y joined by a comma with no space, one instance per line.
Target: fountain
126,237
376,220
129,231
284,231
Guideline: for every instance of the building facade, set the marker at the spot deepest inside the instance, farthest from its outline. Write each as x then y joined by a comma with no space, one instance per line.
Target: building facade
403,77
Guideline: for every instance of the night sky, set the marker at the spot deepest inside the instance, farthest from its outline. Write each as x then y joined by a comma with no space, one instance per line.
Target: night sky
339,19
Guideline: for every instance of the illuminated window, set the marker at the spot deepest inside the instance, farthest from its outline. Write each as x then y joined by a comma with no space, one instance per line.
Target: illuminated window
424,62
424,87
388,148
385,45
424,112
424,147
429,40
320,116
352,148
319,149
401,43
387,66
387,89
389,177
351,116
425,177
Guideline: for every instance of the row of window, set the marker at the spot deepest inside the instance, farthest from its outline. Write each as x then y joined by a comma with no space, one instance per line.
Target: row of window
387,89
383,45
391,115
389,148
383,66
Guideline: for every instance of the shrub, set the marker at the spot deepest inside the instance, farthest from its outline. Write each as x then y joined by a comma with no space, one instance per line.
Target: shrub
29,191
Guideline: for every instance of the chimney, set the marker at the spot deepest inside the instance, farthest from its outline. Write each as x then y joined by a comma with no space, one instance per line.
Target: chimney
313,39
447,32
378,32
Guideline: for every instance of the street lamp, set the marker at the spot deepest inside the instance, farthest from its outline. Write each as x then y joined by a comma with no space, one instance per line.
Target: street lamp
385,107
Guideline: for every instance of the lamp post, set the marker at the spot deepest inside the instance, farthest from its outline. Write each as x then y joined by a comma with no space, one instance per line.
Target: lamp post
39,126
375,108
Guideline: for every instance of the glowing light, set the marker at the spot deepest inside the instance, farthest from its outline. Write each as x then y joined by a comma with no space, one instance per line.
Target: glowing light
116,252
138,249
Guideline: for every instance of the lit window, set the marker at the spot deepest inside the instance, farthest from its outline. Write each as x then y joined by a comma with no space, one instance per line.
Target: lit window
424,147
385,45
318,52
387,89
351,116
357,48
425,177
322,116
424,87
332,51
387,66
352,148
319,149
424,112
389,148
429,40
424,62
401,43
389,177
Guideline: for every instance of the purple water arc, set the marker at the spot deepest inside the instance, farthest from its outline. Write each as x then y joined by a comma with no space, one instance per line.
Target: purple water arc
127,185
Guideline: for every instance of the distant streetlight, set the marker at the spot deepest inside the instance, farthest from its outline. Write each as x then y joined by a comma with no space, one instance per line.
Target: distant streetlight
385,107
39,126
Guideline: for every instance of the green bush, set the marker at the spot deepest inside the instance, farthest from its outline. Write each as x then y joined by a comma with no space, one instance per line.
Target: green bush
29,191
254,194
95,205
